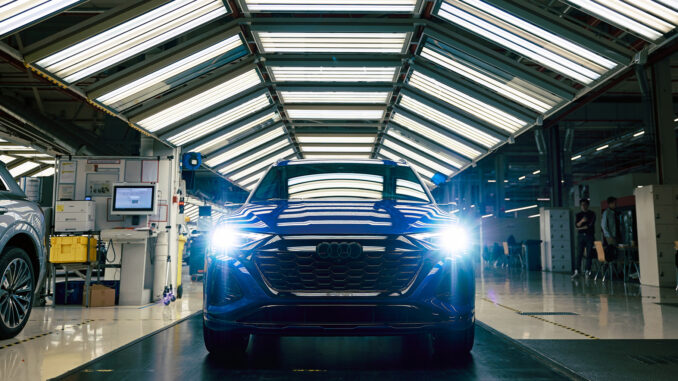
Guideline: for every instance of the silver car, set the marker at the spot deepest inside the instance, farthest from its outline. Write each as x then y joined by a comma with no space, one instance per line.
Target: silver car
22,255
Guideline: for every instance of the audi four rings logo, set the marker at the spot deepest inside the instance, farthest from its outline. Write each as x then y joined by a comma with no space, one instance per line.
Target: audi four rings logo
339,250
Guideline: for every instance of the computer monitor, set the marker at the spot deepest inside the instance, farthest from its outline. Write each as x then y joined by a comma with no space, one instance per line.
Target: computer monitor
134,199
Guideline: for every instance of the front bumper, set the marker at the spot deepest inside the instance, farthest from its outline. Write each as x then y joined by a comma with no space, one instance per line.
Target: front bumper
420,310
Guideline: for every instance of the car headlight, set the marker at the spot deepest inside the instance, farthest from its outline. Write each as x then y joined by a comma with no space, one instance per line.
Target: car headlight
226,238
450,239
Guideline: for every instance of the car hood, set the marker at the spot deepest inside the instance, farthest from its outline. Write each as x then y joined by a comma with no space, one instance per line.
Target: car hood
339,217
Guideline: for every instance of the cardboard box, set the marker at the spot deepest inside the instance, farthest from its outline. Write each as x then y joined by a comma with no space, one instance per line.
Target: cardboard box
100,296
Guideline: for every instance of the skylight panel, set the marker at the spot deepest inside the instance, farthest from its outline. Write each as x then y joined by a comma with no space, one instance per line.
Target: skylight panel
333,74
449,122
465,102
435,136
127,39
220,120
337,114
332,42
18,14
323,156
645,18
390,6
146,86
504,84
202,100
527,39
426,173
334,96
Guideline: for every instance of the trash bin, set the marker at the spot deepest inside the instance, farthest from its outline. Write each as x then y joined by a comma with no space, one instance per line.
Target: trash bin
180,253
532,250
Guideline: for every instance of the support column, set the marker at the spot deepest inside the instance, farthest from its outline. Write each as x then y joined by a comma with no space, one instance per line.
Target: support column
500,171
665,136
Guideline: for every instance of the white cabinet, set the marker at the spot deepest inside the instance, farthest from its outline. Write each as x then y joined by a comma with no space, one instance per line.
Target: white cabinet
657,216
74,216
556,237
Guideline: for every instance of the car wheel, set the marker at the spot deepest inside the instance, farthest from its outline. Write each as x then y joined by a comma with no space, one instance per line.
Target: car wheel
17,283
225,342
454,342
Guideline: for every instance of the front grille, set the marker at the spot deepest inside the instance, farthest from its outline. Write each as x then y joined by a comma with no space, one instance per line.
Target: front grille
387,270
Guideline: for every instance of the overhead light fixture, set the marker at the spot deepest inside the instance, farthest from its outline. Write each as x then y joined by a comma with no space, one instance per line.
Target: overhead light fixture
533,216
44,173
491,181
220,120
15,15
543,199
335,113
196,101
465,102
334,96
105,48
413,156
526,38
251,143
426,173
639,133
521,178
522,208
127,94
396,6
23,168
447,121
487,215
603,147
645,18
7,159
15,148
506,181
336,139
434,136
504,84
318,156
332,74
331,42
216,143
236,176
262,152
442,156
334,148
575,157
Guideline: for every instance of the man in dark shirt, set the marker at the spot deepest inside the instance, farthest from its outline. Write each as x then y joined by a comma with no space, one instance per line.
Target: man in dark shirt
584,223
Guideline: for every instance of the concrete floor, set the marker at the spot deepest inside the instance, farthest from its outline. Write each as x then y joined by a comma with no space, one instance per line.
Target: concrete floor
631,328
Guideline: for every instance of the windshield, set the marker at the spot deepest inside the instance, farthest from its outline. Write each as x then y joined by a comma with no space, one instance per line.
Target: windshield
323,181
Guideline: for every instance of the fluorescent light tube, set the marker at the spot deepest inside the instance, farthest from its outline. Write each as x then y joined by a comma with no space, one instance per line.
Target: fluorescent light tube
331,148
475,107
448,122
121,96
201,101
435,136
219,121
336,139
395,6
129,38
334,96
216,143
332,74
333,42
339,114
17,14
248,145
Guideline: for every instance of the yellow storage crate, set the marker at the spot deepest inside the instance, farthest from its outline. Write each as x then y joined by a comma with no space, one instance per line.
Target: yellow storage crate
72,249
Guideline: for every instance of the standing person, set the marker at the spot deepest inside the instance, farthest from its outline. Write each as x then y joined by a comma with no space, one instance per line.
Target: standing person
609,225
585,223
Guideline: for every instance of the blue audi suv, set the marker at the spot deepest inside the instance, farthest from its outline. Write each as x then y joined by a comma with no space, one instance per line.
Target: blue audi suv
339,247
